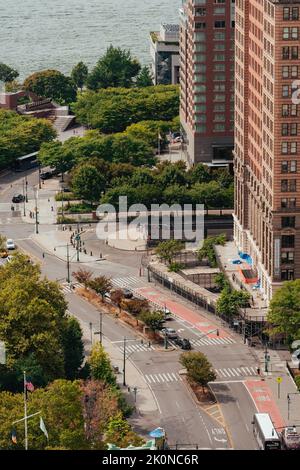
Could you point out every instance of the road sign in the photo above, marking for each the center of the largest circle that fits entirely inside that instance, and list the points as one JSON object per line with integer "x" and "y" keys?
{"x": 279, "y": 380}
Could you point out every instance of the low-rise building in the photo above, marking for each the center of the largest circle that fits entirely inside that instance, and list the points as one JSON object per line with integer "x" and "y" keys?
{"x": 164, "y": 49}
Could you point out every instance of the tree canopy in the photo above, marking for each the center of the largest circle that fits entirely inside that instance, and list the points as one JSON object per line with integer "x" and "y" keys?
{"x": 34, "y": 325}
{"x": 79, "y": 74}
{"x": 114, "y": 109}
{"x": 284, "y": 311}
{"x": 52, "y": 84}
{"x": 117, "y": 68}
{"x": 7, "y": 73}
{"x": 20, "y": 136}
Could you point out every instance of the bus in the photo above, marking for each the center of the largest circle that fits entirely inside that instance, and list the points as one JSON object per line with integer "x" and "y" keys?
{"x": 265, "y": 433}
{"x": 27, "y": 162}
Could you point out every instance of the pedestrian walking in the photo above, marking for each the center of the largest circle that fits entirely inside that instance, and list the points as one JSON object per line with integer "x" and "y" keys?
{"x": 258, "y": 370}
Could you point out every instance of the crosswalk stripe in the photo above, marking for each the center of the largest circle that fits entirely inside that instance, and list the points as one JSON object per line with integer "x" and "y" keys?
{"x": 235, "y": 372}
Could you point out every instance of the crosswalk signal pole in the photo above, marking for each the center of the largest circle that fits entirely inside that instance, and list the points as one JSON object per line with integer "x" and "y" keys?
{"x": 124, "y": 363}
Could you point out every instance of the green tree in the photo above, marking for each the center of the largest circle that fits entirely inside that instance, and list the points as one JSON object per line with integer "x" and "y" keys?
{"x": 120, "y": 433}
{"x": 7, "y": 73}
{"x": 101, "y": 285}
{"x": 113, "y": 110}
{"x": 154, "y": 320}
{"x": 100, "y": 365}
{"x": 229, "y": 302}
{"x": 117, "y": 68}
{"x": 144, "y": 78}
{"x": 52, "y": 84}
{"x": 20, "y": 136}
{"x": 172, "y": 175}
{"x": 199, "y": 369}
{"x": 167, "y": 250}
{"x": 284, "y": 311}
{"x": 55, "y": 155}
{"x": 199, "y": 174}
{"x": 88, "y": 183}
{"x": 221, "y": 281}
{"x": 79, "y": 74}
{"x": 207, "y": 251}
{"x": 73, "y": 347}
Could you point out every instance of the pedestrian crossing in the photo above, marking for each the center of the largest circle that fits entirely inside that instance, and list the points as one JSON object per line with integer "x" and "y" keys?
{"x": 131, "y": 348}
{"x": 166, "y": 377}
{"x": 235, "y": 372}
{"x": 212, "y": 341}
{"x": 67, "y": 288}
{"x": 128, "y": 282}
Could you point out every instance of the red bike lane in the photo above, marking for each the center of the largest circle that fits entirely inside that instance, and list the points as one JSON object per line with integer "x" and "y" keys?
{"x": 264, "y": 400}
{"x": 196, "y": 320}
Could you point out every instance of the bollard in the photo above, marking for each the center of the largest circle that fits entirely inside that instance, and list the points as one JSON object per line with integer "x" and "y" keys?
{"x": 84, "y": 251}
{"x": 100, "y": 255}
{"x": 91, "y": 253}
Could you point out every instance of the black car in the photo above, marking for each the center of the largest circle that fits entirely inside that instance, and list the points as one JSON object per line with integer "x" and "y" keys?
{"x": 46, "y": 175}
{"x": 127, "y": 294}
{"x": 18, "y": 198}
{"x": 183, "y": 343}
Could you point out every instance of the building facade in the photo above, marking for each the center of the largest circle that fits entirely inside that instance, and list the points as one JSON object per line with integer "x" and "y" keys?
{"x": 164, "y": 50}
{"x": 207, "y": 80}
{"x": 267, "y": 138}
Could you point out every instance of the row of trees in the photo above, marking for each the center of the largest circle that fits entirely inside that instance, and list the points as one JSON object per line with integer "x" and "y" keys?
{"x": 20, "y": 136}
{"x": 114, "y": 109}
{"x": 81, "y": 414}
{"x": 116, "y": 68}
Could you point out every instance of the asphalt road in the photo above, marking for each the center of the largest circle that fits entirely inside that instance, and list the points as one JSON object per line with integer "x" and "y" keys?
{"x": 183, "y": 420}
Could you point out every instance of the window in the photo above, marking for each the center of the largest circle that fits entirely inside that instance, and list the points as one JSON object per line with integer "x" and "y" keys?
{"x": 219, "y": 24}
{"x": 284, "y": 129}
{"x": 287, "y": 257}
{"x": 294, "y": 52}
{"x": 284, "y": 167}
{"x": 285, "y": 91}
{"x": 288, "y": 203}
{"x": 287, "y": 275}
{"x": 284, "y": 147}
{"x": 285, "y": 71}
{"x": 285, "y": 53}
{"x": 288, "y": 222}
{"x": 288, "y": 241}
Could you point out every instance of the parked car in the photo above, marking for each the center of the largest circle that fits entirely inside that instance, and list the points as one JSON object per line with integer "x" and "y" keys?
{"x": 46, "y": 175}
{"x": 10, "y": 244}
{"x": 127, "y": 294}
{"x": 170, "y": 333}
{"x": 18, "y": 198}
{"x": 183, "y": 343}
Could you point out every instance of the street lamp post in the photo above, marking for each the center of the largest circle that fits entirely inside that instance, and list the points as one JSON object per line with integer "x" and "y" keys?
{"x": 267, "y": 359}
{"x": 24, "y": 199}
{"x": 36, "y": 212}
{"x": 124, "y": 363}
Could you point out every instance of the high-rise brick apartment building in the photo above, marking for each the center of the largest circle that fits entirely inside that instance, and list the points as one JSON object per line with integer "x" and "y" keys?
{"x": 207, "y": 80}
{"x": 267, "y": 138}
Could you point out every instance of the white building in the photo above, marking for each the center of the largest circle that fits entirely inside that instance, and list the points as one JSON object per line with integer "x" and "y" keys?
{"x": 164, "y": 49}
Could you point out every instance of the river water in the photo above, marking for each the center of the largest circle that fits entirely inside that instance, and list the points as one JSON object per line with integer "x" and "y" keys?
{"x": 39, "y": 34}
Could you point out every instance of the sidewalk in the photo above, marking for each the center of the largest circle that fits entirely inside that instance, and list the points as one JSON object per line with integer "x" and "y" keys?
{"x": 145, "y": 402}
{"x": 58, "y": 240}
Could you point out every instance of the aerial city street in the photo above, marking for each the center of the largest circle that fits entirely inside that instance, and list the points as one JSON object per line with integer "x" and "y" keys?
{"x": 149, "y": 271}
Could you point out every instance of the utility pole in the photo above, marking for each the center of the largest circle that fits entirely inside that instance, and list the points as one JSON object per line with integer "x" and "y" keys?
{"x": 24, "y": 201}
{"x": 124, "y": 363}
{"x": 78, "y": 241}
{"x": 26, "y": 186}
{"x": 25, "y": 412}
{"x": 101, "y": 325}
{"x": 40, "y": 184}
{"x": 36, "y": 213}
{"x": 62, "y": 209}
{"x": 68, "y": 264}
{"x": 267, "y": 359}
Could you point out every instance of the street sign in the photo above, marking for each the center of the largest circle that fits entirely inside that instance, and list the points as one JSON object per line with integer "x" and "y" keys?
{"x": 279, "y": 380}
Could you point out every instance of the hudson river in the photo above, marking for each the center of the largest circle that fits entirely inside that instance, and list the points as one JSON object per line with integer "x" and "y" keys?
{"x": 39, "y": 34}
